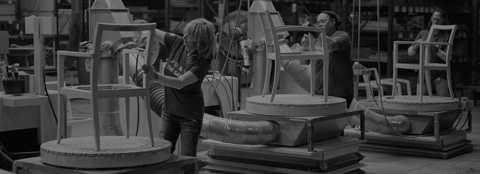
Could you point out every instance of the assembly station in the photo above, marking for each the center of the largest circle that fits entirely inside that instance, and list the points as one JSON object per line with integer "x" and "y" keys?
{"x": 292, "y": 87}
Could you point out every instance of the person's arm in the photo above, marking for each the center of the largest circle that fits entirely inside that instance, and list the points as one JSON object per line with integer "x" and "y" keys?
{"x": 178, "y": 83}
{"x": 338, "y": 42}
{"x": 440, "y": 53}
{"x": 160, "y": 36}
{"x": 333, "y": 45}
{"x": 412, "y": 49}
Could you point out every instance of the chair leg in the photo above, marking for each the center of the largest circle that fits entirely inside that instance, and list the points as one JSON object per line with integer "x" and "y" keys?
{"x": 96, "y": 121}
{"x": 395, "y": 72}
{"x": 268, "y": 70}
{"x": 449, "y": 81}
{"x": 409, "y": 88}
{"x": 127, "y": 115}
{"x": 312, "y": 79}
{"x": 61, "y": 117}
{"x": 429, "y": 82}
{"x": 381, "y": 92}
{"x": 399, "y": 87}
{"x": 419, "y": 90}
{"x": 368, "y": 91}
{"x": 149, "y": 116}
{"x": 276, "y": 78}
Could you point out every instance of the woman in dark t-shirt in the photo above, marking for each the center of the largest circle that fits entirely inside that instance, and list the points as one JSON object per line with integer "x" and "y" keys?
{"x": 340, "y": 69}
{"x": 187, "y": 64}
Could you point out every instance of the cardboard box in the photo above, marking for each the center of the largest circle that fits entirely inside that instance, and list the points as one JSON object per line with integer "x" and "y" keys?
{"x": 48, "y": 25}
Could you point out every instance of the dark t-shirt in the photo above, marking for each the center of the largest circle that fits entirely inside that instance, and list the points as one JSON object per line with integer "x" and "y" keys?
{"x": 437, "y": 37}
{"x": 340, "y": 78}
{"x": 188, "y": 101}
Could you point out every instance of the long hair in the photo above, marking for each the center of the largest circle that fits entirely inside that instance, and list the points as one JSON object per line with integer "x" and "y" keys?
{"x": 203, "y": 32}
{"x": 443, "y": 14}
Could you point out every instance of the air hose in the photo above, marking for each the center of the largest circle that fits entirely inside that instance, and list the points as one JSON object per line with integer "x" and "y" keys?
{"x": 390, "y": 125}
{"x": 217, "y": 128}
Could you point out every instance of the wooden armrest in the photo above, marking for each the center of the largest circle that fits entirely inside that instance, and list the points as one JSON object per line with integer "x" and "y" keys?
{"x": 134, "y": 51}
{"x": 74, "y": 53}
{"x": 291, "y": 53}
{"x": 406, "y": 42}
{"x": 297, "y": 28}
{"x": 435, "y": 43}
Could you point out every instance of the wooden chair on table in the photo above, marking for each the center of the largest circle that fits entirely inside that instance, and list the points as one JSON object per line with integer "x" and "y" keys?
{"x": 95, "y": 91}
{"x": 271, "y": 33}
{"x": 377, "y": 84}
{"x": 425, "y": 66}
{"x": 370, "y": 85}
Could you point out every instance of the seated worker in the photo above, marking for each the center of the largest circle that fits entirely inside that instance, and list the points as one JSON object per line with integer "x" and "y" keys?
{"x": 340, "y": 69}
{"x": 437, "y": 54}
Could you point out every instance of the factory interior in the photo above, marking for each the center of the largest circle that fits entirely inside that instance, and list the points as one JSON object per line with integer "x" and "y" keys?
{"x": 73, "y": 98}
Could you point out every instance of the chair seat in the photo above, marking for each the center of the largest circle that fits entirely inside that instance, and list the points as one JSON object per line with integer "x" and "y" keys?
{"x": 436, "y": 66}
{"x": 408, "y": 66}
{"x": 296, "y": 55}
{"x": 373, "y": 84}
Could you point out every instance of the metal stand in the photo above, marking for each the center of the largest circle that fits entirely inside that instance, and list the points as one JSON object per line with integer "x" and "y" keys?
{"x": 443, "y": 144}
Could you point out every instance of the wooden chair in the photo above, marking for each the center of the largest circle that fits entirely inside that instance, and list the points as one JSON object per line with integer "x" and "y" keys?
{"x": 425, "y": 66}
{"x": 370, "y": 85}
{"x": 95, "y": 91}
{"x": 273, "y": 54}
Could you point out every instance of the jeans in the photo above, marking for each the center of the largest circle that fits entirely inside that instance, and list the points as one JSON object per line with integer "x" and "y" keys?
{"x": 171, "y": 126}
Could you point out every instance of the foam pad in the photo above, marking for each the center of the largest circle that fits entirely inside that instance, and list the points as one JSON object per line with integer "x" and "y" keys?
{"x": 295, "y": 105}
{"x": 115, "y": 152}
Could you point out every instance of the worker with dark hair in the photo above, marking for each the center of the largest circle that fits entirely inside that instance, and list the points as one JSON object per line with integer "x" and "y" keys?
{"x": 340, "y": 68}
{"x": 437, "y": 54}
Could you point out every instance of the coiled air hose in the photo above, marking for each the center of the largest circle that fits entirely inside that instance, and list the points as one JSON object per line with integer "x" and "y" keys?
{"x": 217, "y": 128}
{"x": 157, "y": 94}
{"x": 390, "y": 125}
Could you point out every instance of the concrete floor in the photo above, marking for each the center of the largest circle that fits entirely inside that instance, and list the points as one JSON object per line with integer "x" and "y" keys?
{"x": 382, "y": 163}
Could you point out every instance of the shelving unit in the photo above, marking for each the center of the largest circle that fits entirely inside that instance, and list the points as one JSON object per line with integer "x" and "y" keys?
{"x": 10, "y": 15}
{"x": 177, "y": 12}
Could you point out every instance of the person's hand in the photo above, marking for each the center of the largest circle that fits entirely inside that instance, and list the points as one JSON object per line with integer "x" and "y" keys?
{"x": 416, "y": 46}
{"x": 306, "y": 24}
{"x": 150, "y": 72}
{"x": 433, "y": 48}
{"x": 304, "y": 41}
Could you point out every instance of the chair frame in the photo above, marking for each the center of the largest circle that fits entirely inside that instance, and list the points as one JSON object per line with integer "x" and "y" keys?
{"x": 425, "y": 65}
{"x": 273, "y": 54}
{"x": 369, "y": 85}
{"x": 96, "y": 91}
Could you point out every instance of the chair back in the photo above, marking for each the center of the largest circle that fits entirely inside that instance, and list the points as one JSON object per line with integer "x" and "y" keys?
{"x": 270, "y": 35}
{"x": 101, "y": 29}
{"x": 449, "y": 44}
